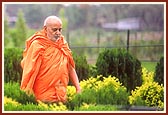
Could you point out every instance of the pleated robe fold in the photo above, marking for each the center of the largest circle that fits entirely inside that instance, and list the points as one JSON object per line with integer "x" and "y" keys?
{"x": 45, "y": 68}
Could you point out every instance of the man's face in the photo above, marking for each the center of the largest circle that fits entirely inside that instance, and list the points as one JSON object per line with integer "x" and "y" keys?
{"x": 54, "y": 31}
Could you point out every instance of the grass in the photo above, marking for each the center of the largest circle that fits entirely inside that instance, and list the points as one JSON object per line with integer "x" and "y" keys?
{"x": 150, "y": 66}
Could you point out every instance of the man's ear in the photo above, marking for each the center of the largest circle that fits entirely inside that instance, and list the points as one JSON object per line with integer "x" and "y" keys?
{"x": 45, "y": 28}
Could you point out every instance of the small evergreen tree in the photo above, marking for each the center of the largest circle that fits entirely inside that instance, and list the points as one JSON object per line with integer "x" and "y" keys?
{"x": 120, "y": 63}
{"x": 63, "y": 18}
{"x": 20, "y": 33}
{"x": 81, "y": 66}
{"x": 159, "y": 71}
{"x": 6, "y": 32}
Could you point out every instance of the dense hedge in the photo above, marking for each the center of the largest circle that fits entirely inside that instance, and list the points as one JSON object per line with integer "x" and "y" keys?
{"x": 82, "y": 67}
{"x": 98, "y": 91}
{"x": 159, "y": 71}
{"x": 94, "y": 92}
{"x": 120, "y": 63}
{"x": 149, "y": 94}
{"x": 97, "y": 94}
{"x": 12, "y": 90}
{"x": 12, "y": 67}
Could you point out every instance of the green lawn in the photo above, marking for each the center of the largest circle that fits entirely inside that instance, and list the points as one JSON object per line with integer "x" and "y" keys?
{"x": 150, "y": 66}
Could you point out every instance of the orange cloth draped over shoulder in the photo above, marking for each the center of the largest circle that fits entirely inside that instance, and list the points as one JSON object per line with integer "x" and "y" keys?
{"x": 45, "y": 67}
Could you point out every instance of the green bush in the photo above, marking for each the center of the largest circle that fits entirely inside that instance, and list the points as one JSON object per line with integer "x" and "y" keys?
{"x": 159, "y": 71}
{"x": 12, "y": 105}
{"x": 149, "y": 94}
{"x": 12, "y": 90}
{"x": 24, "y": 107}
{"x": 12, "y": 67}
{"x": 82, "y": 67}
{"x": 120, "y": 63}
{"x": 100, "y": 90}
{"x": 95, "y": 107}
{"x": 94, "y": 92}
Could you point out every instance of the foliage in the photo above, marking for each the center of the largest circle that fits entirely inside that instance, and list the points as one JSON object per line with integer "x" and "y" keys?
{"x": 19, "y": 35}
{"x": 12, "y": 105}
{"x": 100, "y": 90}
{"x": 95, "y": 107}
{"x": 89, "y": 15}
{"x": 82, "y": 67}
{"x": 8, "y": 100}
{"x": 98, "y": 94}
{"x": 159, "y": 71}
{"x": 53, "y": 106}
{"x": 64, "y": 20}
{"x": 12, "y": 68}
{"x": 147, "y": 76}
{"x": 12, "y": 90}
{"x": 6, "y": 31}
{"x": 149, "y": 94}
{"x": 92, "y": 88}
{"x": 93, "y": 70}
{"x": 120, "y": 63}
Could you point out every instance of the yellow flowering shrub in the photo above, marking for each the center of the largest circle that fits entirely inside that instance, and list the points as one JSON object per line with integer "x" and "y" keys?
{"x": 99, "y": 90}
{"x": 53, "y": 106}
{"x": 149, "y": 94}
{"x": 147, "y": 76}
{"x": 10, "y": 101}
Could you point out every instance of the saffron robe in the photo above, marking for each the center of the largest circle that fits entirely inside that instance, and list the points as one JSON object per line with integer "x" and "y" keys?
{"x": 45, "y": 68}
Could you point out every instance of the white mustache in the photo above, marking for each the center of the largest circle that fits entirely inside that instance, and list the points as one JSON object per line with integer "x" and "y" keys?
{"x": 57, "y": 36}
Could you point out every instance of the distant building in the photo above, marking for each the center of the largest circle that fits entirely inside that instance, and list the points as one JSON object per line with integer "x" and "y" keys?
{"x": 125, "y": 24}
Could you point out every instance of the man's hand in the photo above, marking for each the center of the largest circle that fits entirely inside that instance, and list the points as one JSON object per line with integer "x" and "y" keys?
{"x": 78, "y": 90}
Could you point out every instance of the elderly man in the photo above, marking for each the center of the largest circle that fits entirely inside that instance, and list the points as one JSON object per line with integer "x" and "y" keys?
{"x": 48, "y": 64}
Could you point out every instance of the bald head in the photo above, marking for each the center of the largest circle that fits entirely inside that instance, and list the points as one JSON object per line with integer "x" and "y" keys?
{"x": 50, "y": 20}
{"x": 53, "y": 27}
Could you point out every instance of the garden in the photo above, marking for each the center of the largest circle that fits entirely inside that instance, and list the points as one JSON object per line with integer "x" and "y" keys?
{"x": 119, "y": 85}
{"x": 112, "y": 79}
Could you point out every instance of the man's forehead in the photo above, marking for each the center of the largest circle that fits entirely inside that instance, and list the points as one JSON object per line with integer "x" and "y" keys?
{"x": 52, "y": 20}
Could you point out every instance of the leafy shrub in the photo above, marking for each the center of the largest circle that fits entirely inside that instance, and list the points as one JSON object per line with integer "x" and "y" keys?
{"x": 98, "y": 91}
{"x": 12, "y": 68}
{"x": 93, "y": 70}
{"x": 82, "y": 67}
{"x": 8, "y": 100}
{"x": 95, "y": 107}
{"x": 120, "y": 63}
{"x": 12, "y": 105}
{"x": 147, "y": 76}
{"x": 111, "y": 91}
{"x": 12, "y": 90}
{"x": 159, "y": 71}
{"x": 24, "y": 107}
{"x": 149, "y": 94}
{"x": 113, "y": 94}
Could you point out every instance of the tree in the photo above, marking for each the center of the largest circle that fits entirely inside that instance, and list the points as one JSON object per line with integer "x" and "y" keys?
{"x": 19, "y": 34}
{"x": 64, "y": 19}
{"x": 121, "y": 64}
{"x": 159, "y": 71}
{"x": 6, "y": 32}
